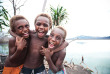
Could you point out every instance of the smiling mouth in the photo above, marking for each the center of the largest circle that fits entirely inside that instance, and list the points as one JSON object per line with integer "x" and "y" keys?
{"x": 26, "y": 35}
{"x": 51, "y": 45}
{"x": 40, "y": 33}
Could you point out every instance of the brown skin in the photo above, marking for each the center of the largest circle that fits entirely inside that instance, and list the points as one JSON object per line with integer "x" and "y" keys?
{"x": 34, "y": 59}
{"x": 54, "y": 41}
{"x": 18, "y": 46}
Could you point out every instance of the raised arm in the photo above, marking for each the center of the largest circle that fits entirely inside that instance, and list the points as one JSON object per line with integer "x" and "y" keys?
{"x": 63, "y": 45}
{"x": 15, "y": 48}
{"x": 12, "y": 33}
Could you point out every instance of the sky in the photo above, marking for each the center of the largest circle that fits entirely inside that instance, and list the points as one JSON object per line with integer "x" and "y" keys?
{"x": 85, "y": 17}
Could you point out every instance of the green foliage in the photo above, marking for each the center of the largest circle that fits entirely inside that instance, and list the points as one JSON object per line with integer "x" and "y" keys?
{"x": 4, "y": 20}
{"x": 58, "y": 15}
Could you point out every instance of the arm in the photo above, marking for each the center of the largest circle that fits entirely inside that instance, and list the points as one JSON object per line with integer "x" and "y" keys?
{"x": 12, "y": 33}
{"x": 63, "y": 45}
{"x": 15, "y": 48}
{"x": 54, "y": 67}
{"x": 57, "y": 66}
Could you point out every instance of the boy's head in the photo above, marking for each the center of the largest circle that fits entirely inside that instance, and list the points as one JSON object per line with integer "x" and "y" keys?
{"x": 20, "y": 26}
{"x": 43, "y": 23}
{"x": 57, "y": 36}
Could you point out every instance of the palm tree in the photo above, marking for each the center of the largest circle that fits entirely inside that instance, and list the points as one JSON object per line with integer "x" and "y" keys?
{"x": 4, "y": 20}
{"x": 58, "y": 15}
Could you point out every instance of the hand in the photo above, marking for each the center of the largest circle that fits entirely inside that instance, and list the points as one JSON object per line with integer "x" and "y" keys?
{"x": 20, "y": 43}
{"x": 43, "y": 50}
{"x": 46, "y": 52}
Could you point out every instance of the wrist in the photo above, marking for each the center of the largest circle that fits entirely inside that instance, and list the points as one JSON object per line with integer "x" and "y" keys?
{"x": 19, "y": 48}
{"x": 47, "y": 58}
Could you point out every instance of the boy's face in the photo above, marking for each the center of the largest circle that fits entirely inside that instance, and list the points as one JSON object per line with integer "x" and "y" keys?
{"x": 42, "y": 26}
{"x": 22, "y": 28}
{"x": 56, "y": 38}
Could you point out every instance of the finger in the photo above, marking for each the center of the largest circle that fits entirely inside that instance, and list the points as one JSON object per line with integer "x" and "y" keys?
{"x": 43, "y": 47}
{"x": 21, "y": 39}
{"x": 41, "y": 52}
{"x": 17, "y": 39}
{"x": 24, "y": 42}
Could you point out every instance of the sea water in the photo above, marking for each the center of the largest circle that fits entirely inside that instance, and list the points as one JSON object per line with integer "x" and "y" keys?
{"x": 4, "y": 49}
{"x": 96, "y": 54}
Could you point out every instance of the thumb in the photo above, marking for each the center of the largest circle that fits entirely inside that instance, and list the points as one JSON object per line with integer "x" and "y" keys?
{"x": 17, "y": 39}
{"x": 43, "y": 47}
{"x": 21, "y": 38}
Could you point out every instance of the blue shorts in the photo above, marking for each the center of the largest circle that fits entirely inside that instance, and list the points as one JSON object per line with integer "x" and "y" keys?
{"x": 59, "y": 72}
{"x": 38, "y": 70}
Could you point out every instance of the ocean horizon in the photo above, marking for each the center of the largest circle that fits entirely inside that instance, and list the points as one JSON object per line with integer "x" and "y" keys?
{"x": 96, "y": 54}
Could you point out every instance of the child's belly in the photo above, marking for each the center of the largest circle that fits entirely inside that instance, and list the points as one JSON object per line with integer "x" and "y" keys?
{"x": 34, "y": 59}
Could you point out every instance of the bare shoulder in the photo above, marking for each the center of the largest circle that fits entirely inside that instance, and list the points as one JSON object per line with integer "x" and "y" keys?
{"x": 12, "y": 41}
{"x": 62, "y": 52}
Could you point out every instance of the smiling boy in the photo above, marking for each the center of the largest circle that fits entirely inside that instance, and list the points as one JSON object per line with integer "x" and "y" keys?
{"x": 56, "y": 38}
{"x": 17, "y": 46}
{"x": 34, "y": 59}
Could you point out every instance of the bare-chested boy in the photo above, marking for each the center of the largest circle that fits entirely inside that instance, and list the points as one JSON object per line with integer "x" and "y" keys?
{"x": 17, "y": 46}
{"x": 34, "y": 60}
{"x": 56, "y": 38}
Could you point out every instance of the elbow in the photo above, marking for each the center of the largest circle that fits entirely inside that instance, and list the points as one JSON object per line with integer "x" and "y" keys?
{"x": 55, "y": 70}
{"x": 66, "y": 43}
{"x": 11, "y": 60}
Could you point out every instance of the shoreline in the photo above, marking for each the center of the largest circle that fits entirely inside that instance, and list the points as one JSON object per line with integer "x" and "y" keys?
{"x": 72, "y": 68}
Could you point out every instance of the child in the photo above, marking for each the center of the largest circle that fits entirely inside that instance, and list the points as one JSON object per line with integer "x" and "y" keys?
{"x": 17, "y": 46}
{"x": 56, "y": 38}
{"x": 34, "y": 60}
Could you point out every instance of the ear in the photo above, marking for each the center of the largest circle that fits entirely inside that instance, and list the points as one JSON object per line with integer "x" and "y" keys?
{"x": 63, "y": 40}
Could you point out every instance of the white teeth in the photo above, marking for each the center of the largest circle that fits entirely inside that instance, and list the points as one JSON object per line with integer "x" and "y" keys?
{"x": 25, "y": 32}
{"x": 51, "y": 46}
{"x": 51, "y": 42}
{"x": 41, "y": 31}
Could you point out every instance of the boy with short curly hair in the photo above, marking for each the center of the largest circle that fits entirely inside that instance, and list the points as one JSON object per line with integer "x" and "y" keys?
{"x": 17, "y": 46}
{"x": 56, "y": 38}
{"x": 34, "y": 60}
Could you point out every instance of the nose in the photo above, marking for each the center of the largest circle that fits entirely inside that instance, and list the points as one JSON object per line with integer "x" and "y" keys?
{"x": 25, "y": 29}
{"x": 41, "y": 26}
{"x": 53, "y": 38}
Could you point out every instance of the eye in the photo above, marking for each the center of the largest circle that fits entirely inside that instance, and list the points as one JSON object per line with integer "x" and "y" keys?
{"x": 51, "y": 35}
{"x": 20, "y": 27}
{"x": 38, "y": 24}
{"x": 45, "y": 25}
{"x": 58, "y": 38}
{"x": 27, "y": 26}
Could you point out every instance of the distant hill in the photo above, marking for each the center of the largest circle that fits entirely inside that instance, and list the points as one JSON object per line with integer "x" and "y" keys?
{"x": 88, "y": 37}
